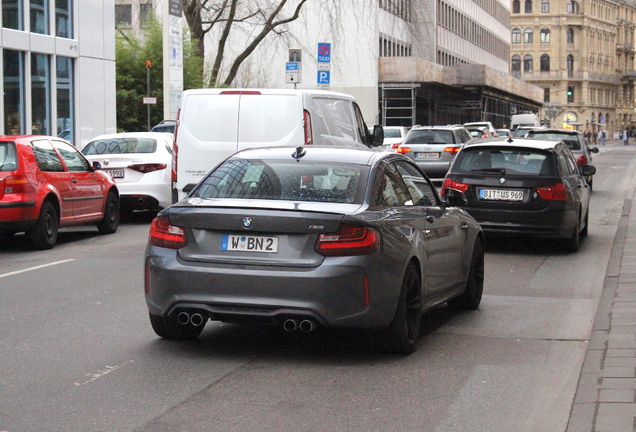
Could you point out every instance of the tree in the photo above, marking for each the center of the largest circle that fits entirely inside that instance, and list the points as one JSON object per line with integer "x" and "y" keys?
{"x": 131, "y": 56}
{"x": 261, "y": 18}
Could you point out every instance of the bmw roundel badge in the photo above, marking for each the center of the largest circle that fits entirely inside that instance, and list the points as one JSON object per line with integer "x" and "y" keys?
{"x": 502, "y": 180}
{"x": 247, "y": 222}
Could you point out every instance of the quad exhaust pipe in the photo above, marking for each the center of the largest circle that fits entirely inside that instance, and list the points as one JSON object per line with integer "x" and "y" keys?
{"x": 196, "y": 319}
{"x": 305, "y": 326}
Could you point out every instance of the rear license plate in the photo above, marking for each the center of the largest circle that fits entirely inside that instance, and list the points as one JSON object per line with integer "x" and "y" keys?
{"x": 116, "y": 173}
{"x": 249, "y": 243}
{"x": 501, "y": 194}
{"x": 427, "y": 155}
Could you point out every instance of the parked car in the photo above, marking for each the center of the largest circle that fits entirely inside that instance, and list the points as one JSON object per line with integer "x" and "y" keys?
{"x": 140, "y": 163}
{"x": 575, "y": 142}
{"x": 215, "y": 123}
{"x": 488, "y": 125}
{"x": 46, "y": 184}
{"x": 478, "y": 132}
{"x": 393, "y": 137}
{"x": 434, "y": 147}
{"x": 504, "y": 132}
{"x": 164, "y": 126}
{"x": 523, "y": 185}
{"x": 312, "y": 236}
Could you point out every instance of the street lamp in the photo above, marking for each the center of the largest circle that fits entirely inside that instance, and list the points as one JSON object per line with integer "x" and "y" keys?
{"x": 552, "y": 110}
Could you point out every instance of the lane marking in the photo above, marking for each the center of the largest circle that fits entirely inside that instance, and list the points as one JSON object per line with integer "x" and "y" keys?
{"x": 35, "y": 268}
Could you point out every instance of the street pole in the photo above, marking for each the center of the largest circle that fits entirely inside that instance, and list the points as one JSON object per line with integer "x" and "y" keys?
{"x": 148, "y": 65}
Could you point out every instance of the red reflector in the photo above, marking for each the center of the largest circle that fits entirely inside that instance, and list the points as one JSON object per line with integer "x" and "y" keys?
{"x": 450, "y": 184}
{"x": 452, "y": 150}
{"x": 147, "y": 168}
{"x": 164, "y": 235}
{"x": 365, "y": 283}
{"x": 582, "y": 160}
{"x": 348, "y": 241}
{"x": 553, "y": 193}
{"x": 240, "y": 92}
{"x": 17, "y": 184}
{"x": 403, "y": 150}
{"x": 309, "y": 138}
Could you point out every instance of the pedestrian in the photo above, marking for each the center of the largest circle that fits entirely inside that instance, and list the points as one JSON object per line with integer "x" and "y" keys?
{"x": 603, "y": 137}
{"x": 588, "y": 135}
{"x": 594, "y": 137}
{"x": 625, "y": 137}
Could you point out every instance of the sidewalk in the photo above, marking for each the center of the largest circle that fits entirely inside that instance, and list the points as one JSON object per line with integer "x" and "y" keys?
{"x": 605, "y": 400}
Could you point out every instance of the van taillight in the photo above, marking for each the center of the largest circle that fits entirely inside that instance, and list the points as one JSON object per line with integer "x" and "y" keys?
{"x": 553, "y": 193}
{"x": 450, "y": 184}
{"x": 581, "y": 161}
{"x": 309, "y": 139}
{"x": 349, "y": 240}
{"x": 17, "y": 184}
{"x": 175, "y": 148}
{"x": 164, "y": 235}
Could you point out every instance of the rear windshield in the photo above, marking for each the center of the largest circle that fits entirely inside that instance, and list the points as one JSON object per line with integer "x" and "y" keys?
{"x": 392, "y": 133}
{"x": 429, "y": 137}
{"x": 285, "y": 180}
{"x": 8, "y": 156}
{"x": 504, "y": 161}
{"x": 570, "y": 140}
{"x": 120, "y": 146}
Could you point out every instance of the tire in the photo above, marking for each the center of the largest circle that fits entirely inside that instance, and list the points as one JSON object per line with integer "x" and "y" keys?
{"x": 587, "y": 222}
{"x": 44, "y": 235}
{"x": 402, "y": 334}
{"x": 572, "y": 243}
{"x": 171, "y": 330}
{"x": 110, "y": 222}
{"x": 471, "y": 297}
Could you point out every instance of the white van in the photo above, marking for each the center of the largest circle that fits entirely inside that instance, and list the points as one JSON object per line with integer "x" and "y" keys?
{"x": 524, "y": 120}
{"x": 215, "y": 123}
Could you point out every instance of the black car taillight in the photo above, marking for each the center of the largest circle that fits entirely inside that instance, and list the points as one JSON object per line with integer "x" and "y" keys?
{"x": 450, "y": 184}
{"x": 164, "y": 235}
{"x": 552, "y": 193}
{"x": 349, "y": 240}
{"x": 147, "y": 168}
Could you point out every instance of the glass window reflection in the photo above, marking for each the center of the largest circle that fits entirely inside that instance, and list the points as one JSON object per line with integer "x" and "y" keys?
{"x": 63, "y": 18}
{"x": 65, "y": 95}
{"x": 39, "y": 16}
{"x": 40, "y": 93}
{"x": 13, "y": 86}
{"x": 12, "y": 16}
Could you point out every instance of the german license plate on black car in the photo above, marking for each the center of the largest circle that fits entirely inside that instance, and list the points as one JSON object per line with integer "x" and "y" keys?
{"x": 246, "y": 243}
{"x": 501, "y": 194}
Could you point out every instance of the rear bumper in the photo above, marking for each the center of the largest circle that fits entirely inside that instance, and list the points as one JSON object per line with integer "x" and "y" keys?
{"x": 145, "y": 196}
{"x": 18, "y": 216}
{"x": 548, "y": 223}
{"x": 434, "y": 169}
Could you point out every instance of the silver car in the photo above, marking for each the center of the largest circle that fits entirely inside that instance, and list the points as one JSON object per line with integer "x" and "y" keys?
{"x": 309, "y": 236}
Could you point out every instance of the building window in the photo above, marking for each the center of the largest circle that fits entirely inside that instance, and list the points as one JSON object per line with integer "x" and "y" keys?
{"x": 516, "y": 6}
{"x": 527, "y": 63}
{"x": 41, "y": 93}
{"x": 516, "y": 66}
{"x": 528, "y": 6}
{"x": 40, "y": 16}
{"x": 14, "y": 86}
{"x": 545, "y": 35}
{"x": 527, "y": 36}
{"x": 545, "y": 6}
{"x": 63, "y": 18}
{"x": 12, "y": 16}
{"x": 400, "y": 8}
{"x": 569, "y": 64}
{"x": 546, "y": 94}
{"x": 65, "y": 96}
{"x": 545, "y": 63}
{"x": 570, "y": 35}
{"x": 123, "y": 15}
{"x": 573, "y": 7}
{"x": 145, "y": 13}
{"x": 516, "y": 36}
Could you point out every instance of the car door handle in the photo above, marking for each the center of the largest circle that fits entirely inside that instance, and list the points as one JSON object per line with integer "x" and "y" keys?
{"x": 464, "y": 225}
{"x": 430, "y": 218}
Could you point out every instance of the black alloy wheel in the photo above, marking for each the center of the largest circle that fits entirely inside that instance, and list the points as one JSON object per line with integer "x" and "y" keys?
{"x": 110, "y": 222}
{"x": 44, "y": 235}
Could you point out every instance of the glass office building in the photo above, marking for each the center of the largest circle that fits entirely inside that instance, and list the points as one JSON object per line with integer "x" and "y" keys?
{"x": 58, "y": 68}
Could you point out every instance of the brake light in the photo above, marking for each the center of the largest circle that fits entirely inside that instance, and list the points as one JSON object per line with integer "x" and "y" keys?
{"x": 240, "y": 92}
{"x": 175, "y": 148}
{"x": 450, "y": 184}
{"x": 452, "y": 150}
{"x": 349, "y": 240}
{"x": 309, "y": 138}
{"x": 395, "y": 145}
{"x": 404, "y": 150}
{"x": 552, "y": 193}
{"x": 147, "y": 168}
{"x": 164, "y": 235}
{"x": 582, "y": 160}
{"x": 17, "y": 184}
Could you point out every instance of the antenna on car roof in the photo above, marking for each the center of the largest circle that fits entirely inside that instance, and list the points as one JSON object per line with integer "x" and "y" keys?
{"x": 300, "y": 152}
{"x": 509, "y": 140}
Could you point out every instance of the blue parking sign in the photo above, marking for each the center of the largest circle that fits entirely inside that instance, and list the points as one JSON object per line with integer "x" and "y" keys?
{"x": 324, "y": 77}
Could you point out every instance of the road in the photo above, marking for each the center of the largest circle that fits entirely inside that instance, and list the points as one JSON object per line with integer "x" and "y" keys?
{"x": 77, "y": 351}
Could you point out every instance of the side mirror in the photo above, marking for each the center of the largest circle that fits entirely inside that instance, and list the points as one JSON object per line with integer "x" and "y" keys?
{"x": 97, "y": 165}
{"x": 378, "y": 136}
{"x": 594, "y": 149}
{"x": 587, "y": 170}
{"x": 456, "y": 198}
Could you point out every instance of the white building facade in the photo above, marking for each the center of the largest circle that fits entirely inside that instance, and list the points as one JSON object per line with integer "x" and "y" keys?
{"x": 58, "y": 68}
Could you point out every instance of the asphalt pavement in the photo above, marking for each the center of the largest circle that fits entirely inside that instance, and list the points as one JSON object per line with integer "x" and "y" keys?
{"x": 605, "y": 399}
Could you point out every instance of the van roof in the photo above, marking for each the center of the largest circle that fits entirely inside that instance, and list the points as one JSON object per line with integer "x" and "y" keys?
{"x": 269, "y": 91}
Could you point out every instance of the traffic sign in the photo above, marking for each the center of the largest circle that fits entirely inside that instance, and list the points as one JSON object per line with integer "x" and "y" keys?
{"x": 292, "y": 66}
{"x": 150, "y": 100}
{"x": 324, "y": 77}
{"x": 292, "y": 77}
{"x": 324, "y": 52}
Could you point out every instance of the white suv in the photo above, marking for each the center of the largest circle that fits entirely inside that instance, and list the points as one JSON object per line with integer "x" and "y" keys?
{"x": 491, "y": 128}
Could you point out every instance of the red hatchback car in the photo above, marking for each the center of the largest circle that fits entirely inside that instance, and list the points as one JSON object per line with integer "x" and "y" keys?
{"x": 46, "y": 184}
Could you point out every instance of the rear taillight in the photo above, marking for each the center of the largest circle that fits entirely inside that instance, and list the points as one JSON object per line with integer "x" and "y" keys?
{"x": 582, "y": 160}
{"x": 349, "y": 240}
{"x": 395, "y": 145}
{"x": 175, "y": 148}
{"x": 309, "y": 139}
{"x": 147, "y": 168}
{"x": 17, "y": 184}
{"x": 450, "y": 184}
{"x": 404, "y": 150}
{"x": 164, "y": 235}
{"x": 452, "y": 150}
{"x": 552, "y": 193}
